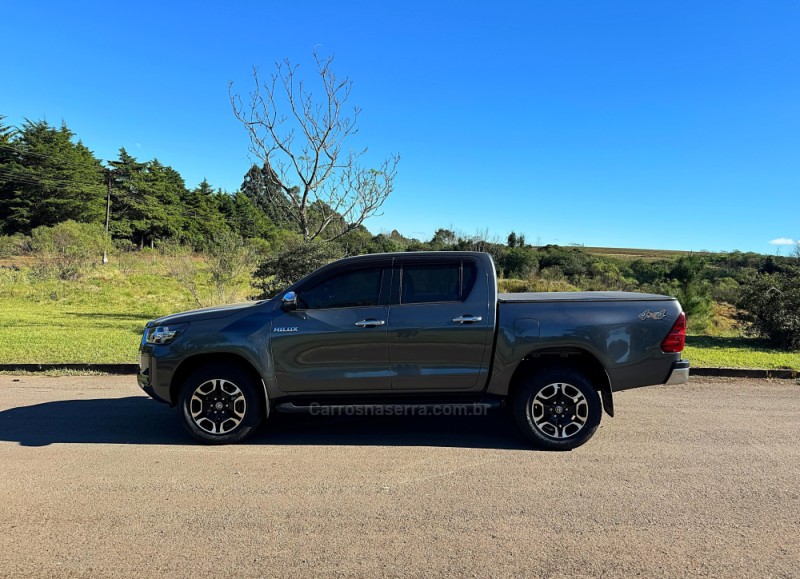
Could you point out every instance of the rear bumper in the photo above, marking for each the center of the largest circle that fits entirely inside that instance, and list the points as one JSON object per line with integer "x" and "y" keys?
{"x": 679, "y": 373}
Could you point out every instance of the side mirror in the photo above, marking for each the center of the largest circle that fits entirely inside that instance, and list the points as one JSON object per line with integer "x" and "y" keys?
{"x": 289, "y": 301}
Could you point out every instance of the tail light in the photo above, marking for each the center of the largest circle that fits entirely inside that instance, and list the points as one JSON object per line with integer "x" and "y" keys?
{"x": 676, "y": 338}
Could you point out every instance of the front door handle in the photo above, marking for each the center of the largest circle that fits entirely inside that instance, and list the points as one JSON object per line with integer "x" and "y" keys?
{"x": 370, "y": 323}
{"x": 467, "y": 319}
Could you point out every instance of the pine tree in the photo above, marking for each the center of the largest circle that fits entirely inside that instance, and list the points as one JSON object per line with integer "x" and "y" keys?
{"x": 9, "y": 157}
{"x": 51, "y": 179}
{"x": 202, "y": 215}
{"x": 145, "y": 200}
{"x": 246, "y": 218}
{"x": 162, "y": 217}
{"x": 127, "y": 195}
{"x": 261, "y": 186}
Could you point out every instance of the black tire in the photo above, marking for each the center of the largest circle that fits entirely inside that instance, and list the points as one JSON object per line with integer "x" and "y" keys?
{"x": 220, "y": 404}
{"x": 557, "y": 408}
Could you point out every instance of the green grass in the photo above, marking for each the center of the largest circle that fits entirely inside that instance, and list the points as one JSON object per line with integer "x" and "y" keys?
{"x": 733, "y": 352}
{"x": 98, "y": 319}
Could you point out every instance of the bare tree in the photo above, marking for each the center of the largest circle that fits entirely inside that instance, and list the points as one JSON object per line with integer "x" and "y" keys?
{"x": 310, "y": 178}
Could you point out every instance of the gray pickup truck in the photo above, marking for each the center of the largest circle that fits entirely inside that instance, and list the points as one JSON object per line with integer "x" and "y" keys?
{"x": 419, "y": 331}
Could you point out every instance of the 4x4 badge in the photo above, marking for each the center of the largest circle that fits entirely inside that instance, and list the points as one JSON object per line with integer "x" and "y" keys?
{"x": 648, "y": 315}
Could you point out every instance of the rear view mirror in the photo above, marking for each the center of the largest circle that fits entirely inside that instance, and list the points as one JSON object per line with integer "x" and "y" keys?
{"x": 289, "y": 301}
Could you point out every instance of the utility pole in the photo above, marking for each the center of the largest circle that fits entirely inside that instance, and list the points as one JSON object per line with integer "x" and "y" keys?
{"x": 108, "y": 214}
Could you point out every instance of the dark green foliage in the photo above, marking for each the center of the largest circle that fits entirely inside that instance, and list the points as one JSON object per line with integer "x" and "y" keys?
{"x": 9, "y": 158}
{"x": 736, "y": 264}
{"x": 689, "y": 284}
{"x": 163, "y": 189}
{"x": 356, "y": 241}
{"x": 515, "y": 241}
{"x": 286, "y": 267}
{"x": 387, "y": 244}
{"x": 574, "y": 262}
{"x": 518, "y": 262}
{"x": 611, "y": 274}
{"x": 773, "y": 264}
{"x": 246, "y": 218}
{"x": 261, "y": 186}
{"x": 46, "y": 178}
{"x": 769, "y": 307}
{"x": 201, "y": 215}
{"x": 650, "y": 272}
{"x": 726, "y": 290}
{"x": 443, "y": 239}
{"x": 127, "y": 184}
{"x": 145, "y": 200}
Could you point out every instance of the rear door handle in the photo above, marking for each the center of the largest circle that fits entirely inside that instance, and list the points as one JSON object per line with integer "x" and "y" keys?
{"x": 467, "y": 319}
{"x": 370, "y": 323}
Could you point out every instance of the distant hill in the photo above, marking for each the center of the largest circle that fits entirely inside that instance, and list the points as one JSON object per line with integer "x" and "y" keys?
{"x": 631, "y": 253}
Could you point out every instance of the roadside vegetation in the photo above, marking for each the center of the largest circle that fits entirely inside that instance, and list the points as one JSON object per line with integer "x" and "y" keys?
{"x": 98, "y": 313}
{"x": 91, "y": 250}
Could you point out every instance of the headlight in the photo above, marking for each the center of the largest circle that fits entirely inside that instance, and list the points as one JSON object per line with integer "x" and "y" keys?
{"x": 163, "y": 334}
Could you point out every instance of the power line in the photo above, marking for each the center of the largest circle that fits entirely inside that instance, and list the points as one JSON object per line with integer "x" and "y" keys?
{"x": 52, "y": 181}
{"x": 25, "y": 152}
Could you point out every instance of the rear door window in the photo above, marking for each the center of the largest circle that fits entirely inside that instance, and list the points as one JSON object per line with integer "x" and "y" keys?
{"x": 436, "y": 282}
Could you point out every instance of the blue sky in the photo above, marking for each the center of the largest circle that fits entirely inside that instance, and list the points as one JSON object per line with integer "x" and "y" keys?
{"x": 621, "y": 124}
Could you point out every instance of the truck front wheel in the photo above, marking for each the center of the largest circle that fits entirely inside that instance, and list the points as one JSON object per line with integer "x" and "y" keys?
{"x": 557, "y": 408}
{"x": 220, "y": 405}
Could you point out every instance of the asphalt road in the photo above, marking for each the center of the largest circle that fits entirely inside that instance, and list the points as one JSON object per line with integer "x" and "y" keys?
{"x": 700, "y": 479}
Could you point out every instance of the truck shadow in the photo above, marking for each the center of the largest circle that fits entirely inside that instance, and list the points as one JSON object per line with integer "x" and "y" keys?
{"x": 139, "y": 420}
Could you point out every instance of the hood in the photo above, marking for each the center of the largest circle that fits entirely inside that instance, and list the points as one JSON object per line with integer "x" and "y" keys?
{"x": 203, "y": 314}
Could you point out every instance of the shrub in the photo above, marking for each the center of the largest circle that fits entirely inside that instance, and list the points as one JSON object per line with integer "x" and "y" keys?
{"x": 67, "y": 249}
{"x": 572, "y": 261}
{"x": 220, "y": 273}
{"x": 769, "y": 307}
{"x": 726, "y": 290}
{"x": 12, "y": 245}
{"x": 518, "y": 262}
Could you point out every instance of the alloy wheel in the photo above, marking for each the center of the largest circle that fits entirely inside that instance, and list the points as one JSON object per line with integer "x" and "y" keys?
{"x": 559, "y": 410}
{"x": 217, "y": 406}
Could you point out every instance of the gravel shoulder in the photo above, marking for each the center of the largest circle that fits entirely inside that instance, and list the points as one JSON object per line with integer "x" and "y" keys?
{"x": 699, "y": 479}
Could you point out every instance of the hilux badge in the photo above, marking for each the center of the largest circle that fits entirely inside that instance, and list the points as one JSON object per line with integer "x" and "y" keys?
{"x": 285, "y": 329}
{"x": 648, "y": 315}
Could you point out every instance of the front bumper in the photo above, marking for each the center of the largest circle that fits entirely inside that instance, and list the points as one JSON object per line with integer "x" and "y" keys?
{"x": 679, "y": 373}
{"x": 146, "y": 377}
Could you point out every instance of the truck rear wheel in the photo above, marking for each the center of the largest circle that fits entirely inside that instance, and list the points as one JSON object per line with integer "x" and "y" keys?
{"x": 220, "y": 405}
{"x": 557, "y": 409}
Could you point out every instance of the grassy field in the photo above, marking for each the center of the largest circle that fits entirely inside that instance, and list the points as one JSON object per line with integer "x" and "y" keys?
{"x": 628, "y": 253}
{"x": 100, "y": 318}
{"x": 737, "y": 352}
{"x": 97, "y": 319}
{"x": 725, "y": 347}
